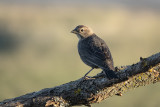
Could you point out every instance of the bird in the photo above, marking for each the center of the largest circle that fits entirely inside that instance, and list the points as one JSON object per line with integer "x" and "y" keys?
{"x": 94, "y": 52}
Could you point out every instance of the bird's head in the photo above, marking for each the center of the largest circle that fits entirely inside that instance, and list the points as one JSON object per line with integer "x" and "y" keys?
{"x": 82, "y": 31}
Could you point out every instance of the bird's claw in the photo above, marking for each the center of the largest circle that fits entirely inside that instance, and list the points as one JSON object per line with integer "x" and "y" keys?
{"x": 85, "y": 78}
{"x": 88, "y": 77}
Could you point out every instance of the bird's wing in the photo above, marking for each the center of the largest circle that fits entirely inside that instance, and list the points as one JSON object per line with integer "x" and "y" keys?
{"x": 94, "y": 51}
{"x": 99, "y": 49}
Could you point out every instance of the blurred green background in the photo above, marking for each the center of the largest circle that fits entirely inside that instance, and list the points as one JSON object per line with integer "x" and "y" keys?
{"x": 38, "y": 51}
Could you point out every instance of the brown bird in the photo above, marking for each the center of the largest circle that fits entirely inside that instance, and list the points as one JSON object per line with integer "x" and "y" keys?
{"x": 93, "y": 51}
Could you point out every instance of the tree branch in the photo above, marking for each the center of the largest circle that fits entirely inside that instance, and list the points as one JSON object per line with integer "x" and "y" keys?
{"x": 93, "y": 90}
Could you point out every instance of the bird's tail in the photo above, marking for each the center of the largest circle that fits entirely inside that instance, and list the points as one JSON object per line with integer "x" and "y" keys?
{"x": 110, "y": 74}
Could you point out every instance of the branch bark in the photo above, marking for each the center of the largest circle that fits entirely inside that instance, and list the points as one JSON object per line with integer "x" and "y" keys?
{"x": 93, "y": 90}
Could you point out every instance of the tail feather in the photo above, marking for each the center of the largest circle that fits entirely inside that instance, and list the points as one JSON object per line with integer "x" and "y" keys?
{"x": 110, "y": 74}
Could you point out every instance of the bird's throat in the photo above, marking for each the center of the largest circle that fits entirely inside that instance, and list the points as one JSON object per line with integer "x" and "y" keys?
{"x": 79, "y": 36}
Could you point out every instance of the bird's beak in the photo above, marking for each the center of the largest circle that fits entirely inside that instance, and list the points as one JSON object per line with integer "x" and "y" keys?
{"x": 74, "y": 31}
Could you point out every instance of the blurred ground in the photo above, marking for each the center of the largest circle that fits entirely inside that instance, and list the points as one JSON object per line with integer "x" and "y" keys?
{"x": 38, "y": 51}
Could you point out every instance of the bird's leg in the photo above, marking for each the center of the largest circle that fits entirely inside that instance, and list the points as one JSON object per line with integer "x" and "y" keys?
{"x": 87, "y": 73}
{"x": 106, "y": 73}
{"x": 84, "y": 78}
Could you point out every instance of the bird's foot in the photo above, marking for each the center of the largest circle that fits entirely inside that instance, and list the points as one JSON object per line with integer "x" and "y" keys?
{"x": 85, "y": 78}
{"x": 88, "y": 77}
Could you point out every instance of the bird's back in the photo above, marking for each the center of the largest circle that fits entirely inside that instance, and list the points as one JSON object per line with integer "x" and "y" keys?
{"x": 95, "y": 53}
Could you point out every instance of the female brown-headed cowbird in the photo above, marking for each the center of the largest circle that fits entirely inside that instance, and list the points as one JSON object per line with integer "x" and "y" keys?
{"x": 93, "y": 51}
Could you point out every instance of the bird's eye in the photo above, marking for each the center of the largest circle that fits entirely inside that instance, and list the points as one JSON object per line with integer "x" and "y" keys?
{"x": 81, "y": 30}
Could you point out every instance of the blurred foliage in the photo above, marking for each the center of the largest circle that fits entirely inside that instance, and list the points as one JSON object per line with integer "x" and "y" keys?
{"x": 38, "y": 51}
{"x": 8, "y": 42}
